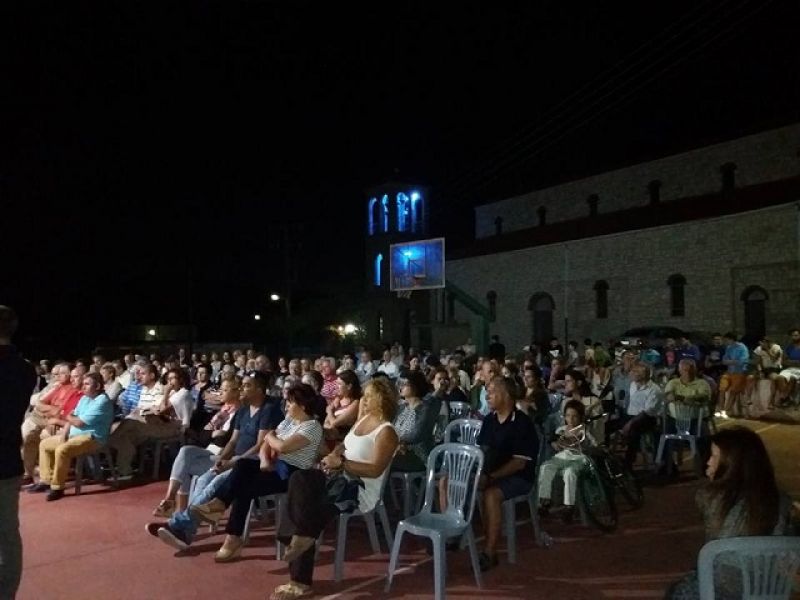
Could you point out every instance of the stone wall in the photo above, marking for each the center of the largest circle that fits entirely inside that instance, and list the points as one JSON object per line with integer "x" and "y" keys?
{"x": 759, "y": 158}
{"x": 719, "y": 259}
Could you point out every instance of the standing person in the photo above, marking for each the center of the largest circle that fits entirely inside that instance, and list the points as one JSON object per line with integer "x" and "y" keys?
{"x": 733, "y": 383}
{"x": 17, "y": 378}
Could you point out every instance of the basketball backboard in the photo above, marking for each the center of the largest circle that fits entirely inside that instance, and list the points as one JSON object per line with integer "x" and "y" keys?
{"x": 417, "y": 265}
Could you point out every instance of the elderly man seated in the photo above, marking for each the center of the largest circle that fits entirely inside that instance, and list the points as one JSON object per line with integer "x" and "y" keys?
{"x": 150, "y": 420}
{"x": 84, "y": 431}
{"x": 510, "y": 446}
{"x": 41, "y": 422}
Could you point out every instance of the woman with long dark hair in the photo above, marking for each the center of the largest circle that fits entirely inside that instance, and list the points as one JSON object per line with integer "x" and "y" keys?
{"x": 741, "y": 499}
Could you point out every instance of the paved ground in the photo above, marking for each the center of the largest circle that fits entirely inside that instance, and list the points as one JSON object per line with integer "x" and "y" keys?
{"x": 94, "y": 546}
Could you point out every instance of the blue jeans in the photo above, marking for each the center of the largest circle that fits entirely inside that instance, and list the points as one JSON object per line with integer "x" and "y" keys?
{"x": 191, "y": 461}
{"x": 206, "y": 488}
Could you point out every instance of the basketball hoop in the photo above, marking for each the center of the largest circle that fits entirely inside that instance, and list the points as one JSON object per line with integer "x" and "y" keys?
{"x": 404, "y": 294}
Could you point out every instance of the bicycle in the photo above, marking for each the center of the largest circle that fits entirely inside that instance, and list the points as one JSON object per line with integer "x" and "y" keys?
{"x": 603, "y": 474}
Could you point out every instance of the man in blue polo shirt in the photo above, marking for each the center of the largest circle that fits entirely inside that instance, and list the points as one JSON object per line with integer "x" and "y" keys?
{"x": 259, "y": 414}
{"x": 85, "y": 430}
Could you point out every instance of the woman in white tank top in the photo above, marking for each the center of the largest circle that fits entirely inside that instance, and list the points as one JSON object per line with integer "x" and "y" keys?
{"x": 366, "y": 453}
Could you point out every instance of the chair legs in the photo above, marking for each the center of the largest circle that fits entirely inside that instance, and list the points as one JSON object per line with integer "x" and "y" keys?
{"x": 510, "y": 526}
{"x": 369, "y": 518}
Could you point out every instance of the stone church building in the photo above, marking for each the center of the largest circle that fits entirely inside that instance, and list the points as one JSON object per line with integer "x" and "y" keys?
{"x": 706, "y": 240}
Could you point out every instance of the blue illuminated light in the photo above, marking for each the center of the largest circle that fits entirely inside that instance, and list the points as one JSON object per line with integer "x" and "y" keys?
{"x": 371, "y": 215}
{"x": 402, "y": 212}
{"x": 407, "y": 254}
{"x": 378, "y": 262}
{"x": 415, "y": 196}
{"x": 385, "y": 208}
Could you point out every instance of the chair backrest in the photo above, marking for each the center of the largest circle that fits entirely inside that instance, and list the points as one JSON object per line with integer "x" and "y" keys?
{"x": 463, "y": 431}
{"x": 688, "y": 417}
{"x": 768, "y": 565}
{"x": 459, "y": 410}
{"x": 463, "y": 465}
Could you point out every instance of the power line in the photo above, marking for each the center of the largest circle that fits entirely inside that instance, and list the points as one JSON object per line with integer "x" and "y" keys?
{"x": 499, "y": 165}
{"x": 760, "y": 6}
{"x": 606, "y": 77}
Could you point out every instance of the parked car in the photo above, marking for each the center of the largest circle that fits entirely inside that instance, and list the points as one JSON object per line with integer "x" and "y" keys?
{"x": 653, "y": 337}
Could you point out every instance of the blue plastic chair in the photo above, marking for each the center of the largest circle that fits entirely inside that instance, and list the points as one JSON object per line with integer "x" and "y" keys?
{"x": 464, "y": 464}
{"x": 768, "y": 565}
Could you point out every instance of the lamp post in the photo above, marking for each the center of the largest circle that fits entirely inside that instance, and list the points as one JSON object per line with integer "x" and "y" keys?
{"x": 287, "y": 304}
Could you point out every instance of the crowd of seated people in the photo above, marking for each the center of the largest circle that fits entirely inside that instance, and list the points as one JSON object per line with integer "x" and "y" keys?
{"x": 246, "y": 431}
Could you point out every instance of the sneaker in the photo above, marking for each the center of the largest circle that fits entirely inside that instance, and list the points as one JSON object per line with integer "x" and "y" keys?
{"x": 38, "y": 488}
{"x": 172, "y": 537}
{"x": 152, "y": 528}
{"x": 54, "y": 495}
{"x": 26, "y": 481}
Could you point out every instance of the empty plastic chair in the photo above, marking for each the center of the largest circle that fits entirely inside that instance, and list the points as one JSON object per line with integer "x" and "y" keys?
{"x": 767, "y": 565}
{"x": 462, "y": 431}
{"x": 688, "y": 428}
{"x": 464, "y": 464}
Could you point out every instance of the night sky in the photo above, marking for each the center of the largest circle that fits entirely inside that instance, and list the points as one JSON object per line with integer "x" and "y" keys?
{"x": 153, "y": 151}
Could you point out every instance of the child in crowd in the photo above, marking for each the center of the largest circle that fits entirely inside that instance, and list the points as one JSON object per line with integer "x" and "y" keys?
{"x": 571, "y": 440}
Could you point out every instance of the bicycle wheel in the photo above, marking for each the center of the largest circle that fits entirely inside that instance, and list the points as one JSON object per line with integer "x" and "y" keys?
{"x": 598, "y": 501}
{"x": 626, "y": 481}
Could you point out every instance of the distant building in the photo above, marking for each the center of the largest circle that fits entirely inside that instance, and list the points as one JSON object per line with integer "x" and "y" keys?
{"x": 704, "y": 240}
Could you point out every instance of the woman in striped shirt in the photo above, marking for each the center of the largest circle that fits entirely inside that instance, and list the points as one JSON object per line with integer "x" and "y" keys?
{"x": 292, "y": 446}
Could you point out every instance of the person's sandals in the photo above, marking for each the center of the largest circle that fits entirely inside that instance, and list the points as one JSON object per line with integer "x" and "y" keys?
{"x": 297, "y": 546}
{"x": 210, "y": 512}
{"x": 229, "y": 551}
{"x": 165, "y": 509}
{"x": 290, "y": 591}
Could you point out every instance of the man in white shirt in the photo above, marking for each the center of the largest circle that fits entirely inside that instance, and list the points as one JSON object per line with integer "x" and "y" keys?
{"x": 388, "y": 366}
{"x": 148, "y": 421}
{"x": 365, "y": 367}
{"x": 645, "y": 402}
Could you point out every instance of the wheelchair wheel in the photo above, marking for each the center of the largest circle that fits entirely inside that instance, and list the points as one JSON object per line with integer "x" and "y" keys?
{"x": 626, "y": 481}
{"x": 598, "y": 501}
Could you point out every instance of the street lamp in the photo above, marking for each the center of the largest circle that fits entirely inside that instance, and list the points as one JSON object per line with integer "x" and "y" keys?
{"x": 257, "y": 317}
{"x": 274, "y": 297}
{"x": 350, "y": 329}
{"x": 151, "y": 332}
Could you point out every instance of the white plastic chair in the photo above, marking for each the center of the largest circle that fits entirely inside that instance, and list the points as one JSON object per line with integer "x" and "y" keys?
{"x": 462, "y": 431}
{"x": 768, "y": 565}
{"x": 688, "y": 427}
{"x": 369, "y": 518}
{"x": 459, "y": 410}
{"x": 96, "y": 466}
{"x": 464, "y": 465}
